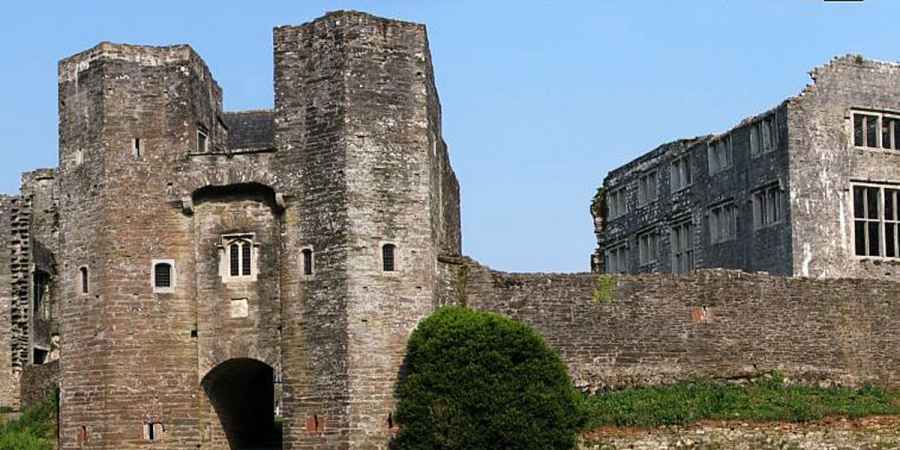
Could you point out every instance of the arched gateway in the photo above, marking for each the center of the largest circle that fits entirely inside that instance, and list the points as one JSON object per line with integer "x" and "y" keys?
{"x": 242, "y": 394}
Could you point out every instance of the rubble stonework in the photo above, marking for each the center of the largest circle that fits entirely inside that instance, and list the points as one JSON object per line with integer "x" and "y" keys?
{"x": 811, "y": 163}
{"x": 197, "y": 272}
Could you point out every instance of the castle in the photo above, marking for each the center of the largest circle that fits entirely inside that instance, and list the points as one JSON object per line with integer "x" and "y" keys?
{"x": 186, "y": 272}
{"x": 809, "y": 188}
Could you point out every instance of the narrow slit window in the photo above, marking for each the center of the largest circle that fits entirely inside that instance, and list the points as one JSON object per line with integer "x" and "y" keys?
{"x": 307, "y": 262}
{"x": 136, "y": 147}
{"x": 388, "y": 257}
{"x": 83, "y": 272}
{"x": 162, "y": 276}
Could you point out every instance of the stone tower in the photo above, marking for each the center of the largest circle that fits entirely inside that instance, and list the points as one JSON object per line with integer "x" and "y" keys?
{"x": 209, "y": 260}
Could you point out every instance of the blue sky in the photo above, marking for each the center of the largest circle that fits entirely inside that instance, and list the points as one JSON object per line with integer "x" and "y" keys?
{"x": 540, "y": 98}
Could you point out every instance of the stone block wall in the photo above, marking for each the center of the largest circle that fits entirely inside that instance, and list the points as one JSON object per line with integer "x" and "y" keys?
{"x": 9, "y": 381}
{"x": 39, "y": 382}
{"x": 625, "y": 330}
{"x": 824, "y": 162}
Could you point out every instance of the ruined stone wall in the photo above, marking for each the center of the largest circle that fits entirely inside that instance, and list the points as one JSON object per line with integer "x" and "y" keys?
{"x": 39, "y": 187}
{"x": 8, "y": 381}
{"x": 617, "y": 331}
{"x": 39, "y": 382}
{"x": 765, "y": 248}
{"x": 824, "y": 161}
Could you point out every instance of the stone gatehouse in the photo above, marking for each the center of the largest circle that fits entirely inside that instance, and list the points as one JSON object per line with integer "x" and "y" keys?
{"x": 190, "y": 277}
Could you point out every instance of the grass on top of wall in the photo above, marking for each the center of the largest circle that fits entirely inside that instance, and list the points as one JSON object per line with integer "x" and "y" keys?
{"x": 763, "y": 400}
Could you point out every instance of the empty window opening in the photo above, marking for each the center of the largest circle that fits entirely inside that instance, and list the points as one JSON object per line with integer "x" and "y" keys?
{"x": 617, "y": 259}
{"x": 307, "y": 261}
{"x": 682, "y": 247}
{"x": 136, "y": 147}
{"x": 876, "y": 221}
{"x": 83, "y": 273}
{"x": 202, "y": 141}
{"x": 647, "y": 247}
{"x": 41, "y": 295}
{"x": 40, "y": 356}
{"x": 722, "y": 223}
{"x": 388, "y": 257}
{"x": 647, "y": 188}
{"x": 876, "y": 130}
{"x": 719, "y": 155}
{"x": 767, "y": 206}
{"x": 82, "y": 435}
{"x": 681, "y": 176}
{"x": 616, "y": 203}
{"x": 162, "y": 275}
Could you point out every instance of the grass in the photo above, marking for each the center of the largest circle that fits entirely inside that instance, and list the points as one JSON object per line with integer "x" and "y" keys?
{"x": 35, "y": 429}
{"x": 760, "y": 401}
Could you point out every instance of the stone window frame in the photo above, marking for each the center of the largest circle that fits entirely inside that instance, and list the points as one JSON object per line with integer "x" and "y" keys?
{"x": 763, "y": 207}
{"x": 684, "y": 257}
{"x": 174, "y": 276}
{"x": 716, "y": 235}
{"x": 880, "y": 220}
{"x": 679, "y": 169}
{"x": 646, "y": 254}
{"x": 397, "y": 258}
{"x": 724, "y": 145}
{"x": 763, "y": 136}
{"x": 880, "y": 116}
{"x": 648, "y": 193}
{"x": 617, "y": 202}
{"x": 617, "y": 253}
{"x": 224, "y": 245}
{"x": 307, "y": 272}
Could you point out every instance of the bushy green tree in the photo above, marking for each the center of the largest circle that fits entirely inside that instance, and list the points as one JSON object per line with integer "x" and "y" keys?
{"x": 475, "y": 380}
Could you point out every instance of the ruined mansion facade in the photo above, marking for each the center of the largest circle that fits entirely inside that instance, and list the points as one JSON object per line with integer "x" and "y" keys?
{"x": 187, "y": 274}
{"x": 809, "y": 188}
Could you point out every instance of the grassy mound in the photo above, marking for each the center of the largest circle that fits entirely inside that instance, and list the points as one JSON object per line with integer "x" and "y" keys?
{"x": 760, "y": 401}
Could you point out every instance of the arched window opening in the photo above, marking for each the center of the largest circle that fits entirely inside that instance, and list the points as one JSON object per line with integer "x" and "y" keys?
{"x": 388, "y": 257}
{"x": 162, "y": 275}
{"x": 307, "y": 261}
{"x": 84, "y": 280}
{"x": 41, "y": 295}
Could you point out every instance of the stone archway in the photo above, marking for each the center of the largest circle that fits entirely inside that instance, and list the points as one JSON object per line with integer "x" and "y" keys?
{"x": 242, "y": 393}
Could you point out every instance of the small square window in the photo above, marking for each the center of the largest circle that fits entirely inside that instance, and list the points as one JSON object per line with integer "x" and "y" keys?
{"x": 163, "y": 277}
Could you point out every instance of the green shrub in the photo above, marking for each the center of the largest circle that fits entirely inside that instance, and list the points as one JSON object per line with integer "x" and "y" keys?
{"x": 35, "y": 429}
{"x": 475, "y": 380}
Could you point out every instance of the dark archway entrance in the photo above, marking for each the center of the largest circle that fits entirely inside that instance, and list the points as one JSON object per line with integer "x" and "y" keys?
{"x": 243, "y": 395}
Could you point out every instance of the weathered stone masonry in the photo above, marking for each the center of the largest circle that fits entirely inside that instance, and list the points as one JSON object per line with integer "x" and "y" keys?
{"x": 616, "y": 331}
{"x": 808, "y": 155}
{"x": 195, "y": 263}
